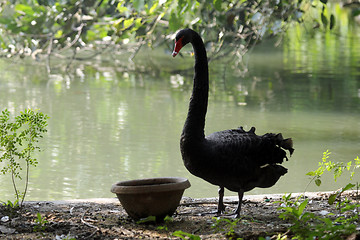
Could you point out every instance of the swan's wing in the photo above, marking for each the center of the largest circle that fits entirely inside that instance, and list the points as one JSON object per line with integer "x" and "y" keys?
{"x": 249, "y": 148}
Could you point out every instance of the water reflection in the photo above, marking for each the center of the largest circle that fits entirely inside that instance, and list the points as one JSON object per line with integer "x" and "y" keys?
{"x": 112, "y": 125}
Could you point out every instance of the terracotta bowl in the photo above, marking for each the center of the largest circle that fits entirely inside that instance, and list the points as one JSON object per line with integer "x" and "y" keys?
{"x": 157, "y": 197}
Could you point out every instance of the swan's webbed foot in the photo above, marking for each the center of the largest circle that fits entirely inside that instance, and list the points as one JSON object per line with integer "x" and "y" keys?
{"x": 221, "y": 210}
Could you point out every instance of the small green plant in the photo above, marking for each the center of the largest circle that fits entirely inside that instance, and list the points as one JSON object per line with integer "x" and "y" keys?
{"x": 336, "y": 167}
{"x": 278, "y": 237}
{"x": 307, "y": 225}
{"x": 226, "y": 225}
{"x": 18, "y": 141}
{"x": 185, "y": 235}
{"x": 9, "y": 205}
{"x": 149, "y": 219}
{"x": 294, "y": 211}
{"x": 167, "y": 221}
{"x": 154, "y": 219}
{"x": 40, "y": 223}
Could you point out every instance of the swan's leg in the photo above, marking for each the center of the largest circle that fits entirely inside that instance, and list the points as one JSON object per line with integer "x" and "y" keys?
{"x": 221, "y": 206}
{"x": 237, "y": 211}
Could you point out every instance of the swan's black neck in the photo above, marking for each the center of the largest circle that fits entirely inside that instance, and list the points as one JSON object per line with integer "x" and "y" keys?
{"x": 195, "y": 121}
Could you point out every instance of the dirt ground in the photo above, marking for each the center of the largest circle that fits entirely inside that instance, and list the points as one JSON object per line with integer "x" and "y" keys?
{"x": 106, "y": 219}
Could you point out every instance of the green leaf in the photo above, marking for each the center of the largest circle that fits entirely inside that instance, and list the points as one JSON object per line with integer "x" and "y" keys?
{"x": 318, "y": 182}
{"x": 288, "y": 209}
{"x": 167, "y": 218}
{"x": 327, "y": 221}
{"x": 138, "y": 4}
{"x": 147, "y": 220}
{"x": 332, "y": 198}
{"x": 58, "y": 34}
{"x": 302, "y": 206}
{"x": 138, "y": 23}
{"x": 174, "y": 22}
{"x": 128, "y": 22}
{"x": 347, "y": 187}
{"x": 332, "y": 21}
{"x": 348, "y": 165}
{"x": 217, "y": 4}
{"x": 357, "y": 160}
{"x": 121, "y": 9}
{"x": 153, "y": 8}
{"x": 183, "y": 235}
{"x": 5, "y": 21}
{"x": 324, "y": 20}
{"x": 24, "y": 9}
{"x": 182, "y": 6}
{"x": 312, "y": 173}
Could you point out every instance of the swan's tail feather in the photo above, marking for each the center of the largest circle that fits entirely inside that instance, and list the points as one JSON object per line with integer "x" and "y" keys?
{"x": 273, "y": 148}
{"x": 249, "y": 148}
{"x": 286, "y": 144}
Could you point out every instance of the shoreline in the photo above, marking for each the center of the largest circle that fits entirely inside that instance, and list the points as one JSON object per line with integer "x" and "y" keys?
{"x": 227, "y": 199}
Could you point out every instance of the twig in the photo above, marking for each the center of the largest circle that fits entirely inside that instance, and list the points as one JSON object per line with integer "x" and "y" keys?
{"x": 213, "y": 202}
{"x": 97, "y": 229}
{"x": 26, "y": 182}
{"x": 77, "y": 37}
{"x": 48, "y": 68}
{"x": 27, "y": 166}
{"x": 136, "y": 51}
{"x": 14, "y": 184}
{"x": 71, "y": 60}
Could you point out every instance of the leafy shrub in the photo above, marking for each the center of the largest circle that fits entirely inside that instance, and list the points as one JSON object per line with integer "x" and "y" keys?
{"x": 307, "y": 225}
{"x": 18, "y": 142}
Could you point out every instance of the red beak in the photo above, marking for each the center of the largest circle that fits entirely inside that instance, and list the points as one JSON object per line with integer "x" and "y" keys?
{"x": 178, "y": 46}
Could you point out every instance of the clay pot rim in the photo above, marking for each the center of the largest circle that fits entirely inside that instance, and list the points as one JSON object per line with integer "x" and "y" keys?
{"x": 149, "y": 185}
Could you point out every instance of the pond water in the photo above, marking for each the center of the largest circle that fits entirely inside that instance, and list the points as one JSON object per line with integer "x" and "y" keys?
{"x": 108, "y": 125}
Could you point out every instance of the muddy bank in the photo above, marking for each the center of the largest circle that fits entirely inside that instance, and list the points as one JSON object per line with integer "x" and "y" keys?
{"x": 106, "y": 219}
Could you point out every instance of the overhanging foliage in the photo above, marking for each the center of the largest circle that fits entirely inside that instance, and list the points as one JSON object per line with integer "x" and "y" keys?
{"x": 41, "y": 28}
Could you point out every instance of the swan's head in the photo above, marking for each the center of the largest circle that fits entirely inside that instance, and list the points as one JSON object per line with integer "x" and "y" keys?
{"x": 182, "y": 38}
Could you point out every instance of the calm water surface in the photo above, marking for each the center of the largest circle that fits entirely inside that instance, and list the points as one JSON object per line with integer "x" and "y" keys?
{"x": 109, "y": 125}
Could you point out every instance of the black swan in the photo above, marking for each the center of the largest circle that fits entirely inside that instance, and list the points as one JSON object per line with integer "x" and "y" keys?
{"x": 233, "y": 159}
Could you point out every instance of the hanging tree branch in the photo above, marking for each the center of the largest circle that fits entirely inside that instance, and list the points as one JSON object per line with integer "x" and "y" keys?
{"x": 234, "y": 25}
